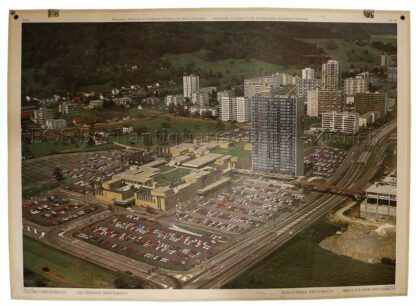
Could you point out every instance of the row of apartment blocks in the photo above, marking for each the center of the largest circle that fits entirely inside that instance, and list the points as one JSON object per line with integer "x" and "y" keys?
{"x": 321, "y": 101}
{"x": 347, "y": 122}
{"x": 45, "y": 113}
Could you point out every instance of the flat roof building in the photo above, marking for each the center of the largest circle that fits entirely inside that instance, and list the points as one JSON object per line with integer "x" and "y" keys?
{"x": 381, "y": 200}
{"x": 344, "y": 122}
{"x": 202, "y": 160}
{"x": 370, "y": 102}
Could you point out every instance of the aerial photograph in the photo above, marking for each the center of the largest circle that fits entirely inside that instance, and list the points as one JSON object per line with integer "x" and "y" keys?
{"x": 208, "y": 154}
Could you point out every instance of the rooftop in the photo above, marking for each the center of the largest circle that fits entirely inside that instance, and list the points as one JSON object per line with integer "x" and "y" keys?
{"x": 202, "y": 160}
{"x": 383, "y": 188}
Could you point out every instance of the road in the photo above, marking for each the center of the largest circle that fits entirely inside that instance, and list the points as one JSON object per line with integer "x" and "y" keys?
{"x": 249, "y": 250}
{"x": 245, "y": 254}
{"x": 60, "y": 237}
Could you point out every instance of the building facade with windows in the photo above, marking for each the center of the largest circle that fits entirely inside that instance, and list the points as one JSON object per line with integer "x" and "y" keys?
{"x": 308, "y": 73}
{"x": 321, "y": 101}
{"x": 305, "y": 85}
{"x": 344, "y": 122}
{"x": 235, "y": 109}
{"x": 174, "y": 100}
{"x": 44, "y": 113}
{"x": 370, "y": 102}
{"x": 190, "y": 85}
{"x": 331, "y": 75}
{"x": 352, "y": 86}
{"x": 276, "y": 131}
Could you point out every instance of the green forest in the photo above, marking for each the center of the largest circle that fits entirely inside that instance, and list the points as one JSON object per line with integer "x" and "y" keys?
{"x": 65, "y": 57}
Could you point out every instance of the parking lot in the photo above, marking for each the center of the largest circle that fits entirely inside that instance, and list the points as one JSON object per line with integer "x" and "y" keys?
{"x": 81, "y": 170}
{"x": 324, "y": 162}
{"x": 149, "y": 241}
{"x": 55, "y": 210}
{"x": 242, "y": 206}
{"x": 93, "y": 169}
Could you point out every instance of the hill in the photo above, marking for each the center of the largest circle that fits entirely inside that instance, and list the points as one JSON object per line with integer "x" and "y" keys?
{"x": 64, "y": 57}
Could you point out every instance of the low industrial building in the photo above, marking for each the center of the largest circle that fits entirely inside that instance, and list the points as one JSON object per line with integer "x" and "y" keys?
{"x": 202, "y": 160}
{"x": 138, "y": 186}
{"x": 381, "y": 200}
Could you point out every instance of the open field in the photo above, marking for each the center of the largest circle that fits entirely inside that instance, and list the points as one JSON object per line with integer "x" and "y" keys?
{"x": 347, "y": 52}
{"x": 303, "y": 263}
{"x": 229, "y": 68}
{"x": 235, "y": 149}
{"x": 39, "y": 149}
{"x": 383, "y": 38}
{"x": 64, "y": 270}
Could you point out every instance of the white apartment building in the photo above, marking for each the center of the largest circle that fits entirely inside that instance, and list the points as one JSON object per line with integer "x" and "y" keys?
{"x": 308, "y": 74}
{"x": 190, "y": 85}
{"x": 235, "y": 109}
{"x": 122, "y": 101}
{"x": 344, "y": 122}
{"x": 242, "y": 109}
{"x": 173, "y": 100}
{"x": 312, "y": 103}
{"x": 352, "y": 86}
{"x": 227, "y": 109}
{"x": 44, "y": 113}
{"x": 200, "y": 110}
{"x": 69, "y": 108}
{"x": 56, "y": 124}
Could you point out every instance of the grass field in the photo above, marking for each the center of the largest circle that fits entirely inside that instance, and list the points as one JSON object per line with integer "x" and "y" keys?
{"x": 302, "y": 263}
{"x": 165, "y": 168}
{"x": 172, "y": 177}
{"x": 229, "y": 68}
{"x": 347, "y": 52}
{"x": 39, "y": 149}
{"x": 145, "y": 112}
{"x": 48, "y": 267}
{"x": 236, "y": 149}
{"x": 383, "y": 38}
{"x": 34, "y": 191}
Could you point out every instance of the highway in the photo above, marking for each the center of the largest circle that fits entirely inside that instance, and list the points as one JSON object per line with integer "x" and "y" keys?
{"x": 252, "y": 246}
{"x": 248, "y": 252}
